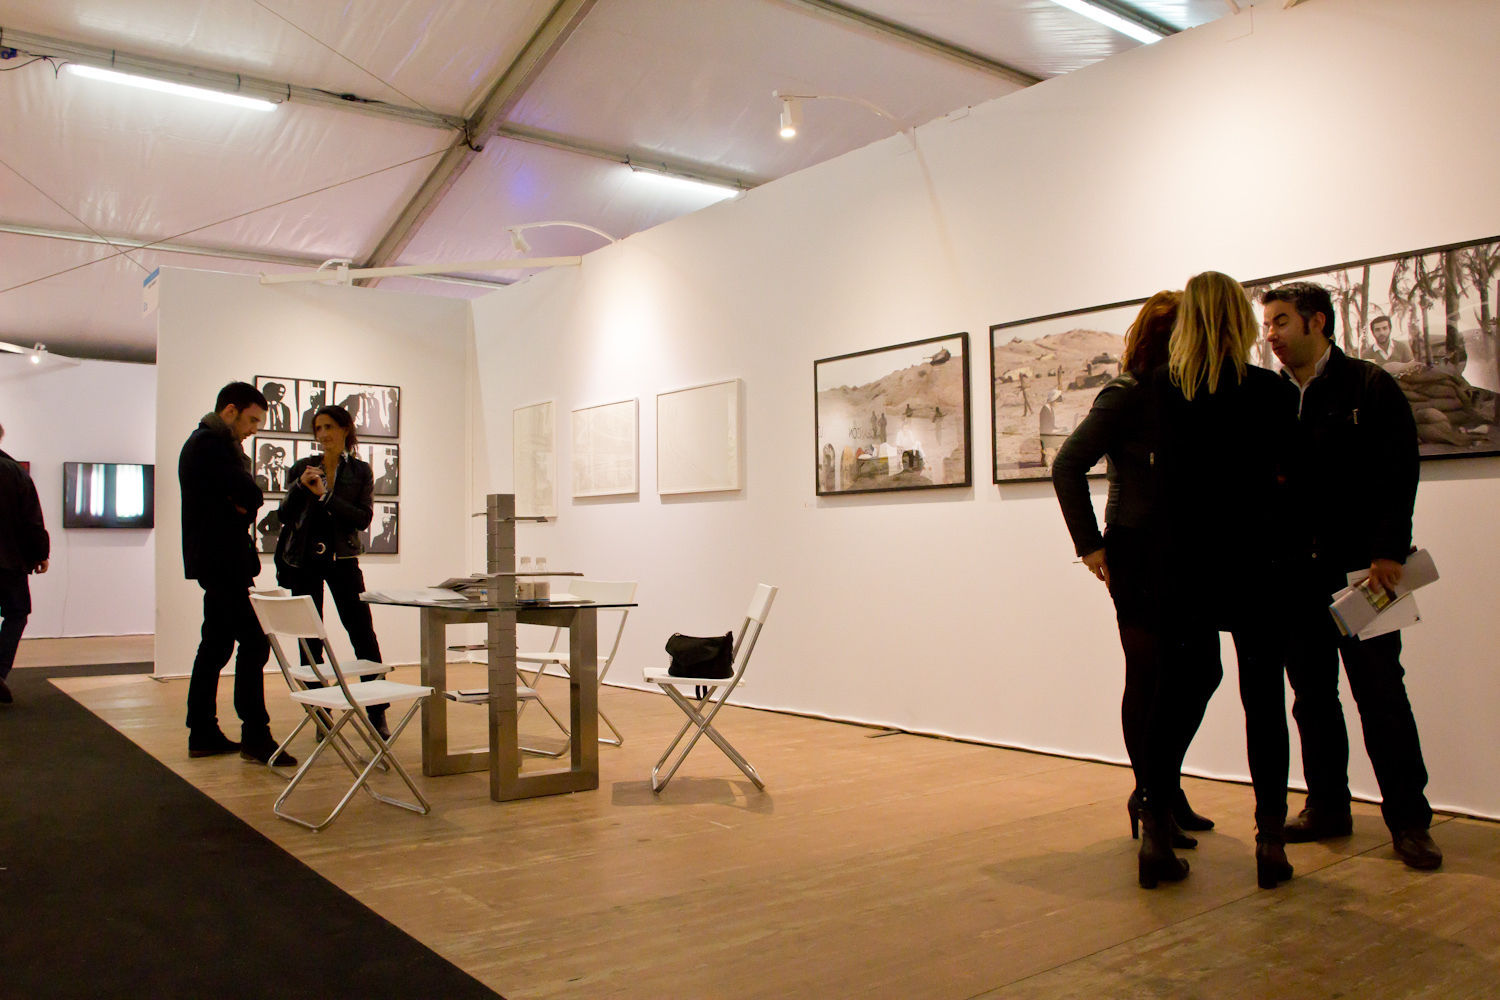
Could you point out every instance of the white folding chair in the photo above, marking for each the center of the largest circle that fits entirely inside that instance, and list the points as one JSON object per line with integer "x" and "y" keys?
{"x": 718, "y": 691}
{"x": 303, "y": 676}
{"x": 600, "y": 592}
{"x": 340, "y": 704}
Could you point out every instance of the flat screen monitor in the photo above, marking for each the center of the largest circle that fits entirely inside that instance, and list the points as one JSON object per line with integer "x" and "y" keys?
{"x": 108, "y": 495}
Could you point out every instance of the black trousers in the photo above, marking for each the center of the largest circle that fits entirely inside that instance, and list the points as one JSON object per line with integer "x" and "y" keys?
{"x": 228, "y": 618}
{"x": 346, "y": 581}
{"x": 1191, "y": 657}
{"x": 1376, "y": 680}
{"x": 1135, "y": 586}
{"x": 15, "y": 608}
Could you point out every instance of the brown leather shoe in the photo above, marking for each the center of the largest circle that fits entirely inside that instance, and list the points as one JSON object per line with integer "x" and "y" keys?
{"x": 1312, "y": 824}
{"x": 1416, "y": 848}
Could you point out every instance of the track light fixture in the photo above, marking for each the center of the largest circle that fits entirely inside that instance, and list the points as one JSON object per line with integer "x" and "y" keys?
{"x": 791, "y": 109}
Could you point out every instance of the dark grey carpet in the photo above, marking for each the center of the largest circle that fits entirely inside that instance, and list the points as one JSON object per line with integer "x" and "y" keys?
{"x": 119, "y": 879}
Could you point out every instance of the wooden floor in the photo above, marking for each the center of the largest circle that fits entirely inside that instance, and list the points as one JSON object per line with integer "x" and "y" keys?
{"x": 872, "y": 866}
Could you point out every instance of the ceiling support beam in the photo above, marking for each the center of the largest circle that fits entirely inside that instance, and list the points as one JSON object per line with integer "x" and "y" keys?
{"x": 196, "y": 250}
{"x": 917, "y": 40}
{"x": 213, "y": 79}
{"x": 654, "y": 161}
{"x": 539, "y": 50}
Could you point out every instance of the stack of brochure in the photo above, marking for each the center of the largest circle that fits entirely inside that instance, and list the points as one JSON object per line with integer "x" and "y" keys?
{"x": 1365, "y": 610}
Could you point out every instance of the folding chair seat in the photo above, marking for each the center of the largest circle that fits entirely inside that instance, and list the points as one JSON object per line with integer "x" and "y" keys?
{"x": 600, "y": 592}
{"x": 718, "y": 690}
{"x": 340, "y": 704}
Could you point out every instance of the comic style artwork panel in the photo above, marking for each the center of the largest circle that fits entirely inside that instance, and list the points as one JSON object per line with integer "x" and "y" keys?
{"x": 271, "y": 458}
{"x": 376, "y": 409}
{"x": 383, "y": 536}
{"x": 893, "y": 418}
{"x": 292, "y": 402}
{"x": 384, "y": 460}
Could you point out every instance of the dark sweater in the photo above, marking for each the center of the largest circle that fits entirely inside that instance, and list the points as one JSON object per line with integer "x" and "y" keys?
{"x": 1116, "y": 430}
{"x": 1358, "y": 465}
{"x": 24, "y": 544}
{"x": 219, "y": 502}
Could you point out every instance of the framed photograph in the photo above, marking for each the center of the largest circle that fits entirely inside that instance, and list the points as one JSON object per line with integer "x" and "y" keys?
{"x": 293, "y": 401}
{"x": 383, "y": 536}
{"x": 893, "y": 418}
{"x": 1428, "y": 317}
{"x": 268, "y": 528}
{"x": 1044, "y": 375}
{"x": 307, "y": 449}
{"x": 271, "y": 456}
{"x": 385, "y": 461}
{"x": 376, "y": 409}
{"x": 698, "y": 444}
{"x": 606, "y": 449}
{"x": 534, "y": 460}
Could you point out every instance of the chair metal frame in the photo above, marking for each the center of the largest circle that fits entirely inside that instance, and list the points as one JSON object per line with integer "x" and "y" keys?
{"x": 603, "y": 592}
{"x": 297, "y": 617}
{"x": 718, "y": 690}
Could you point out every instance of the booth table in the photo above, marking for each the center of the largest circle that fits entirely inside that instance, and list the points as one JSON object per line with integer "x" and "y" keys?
{"x": 503, "y": 758}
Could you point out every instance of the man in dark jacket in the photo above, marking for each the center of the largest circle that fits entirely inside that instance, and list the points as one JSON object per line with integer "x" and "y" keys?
{"x": 24, "y": 548}
{"x": 219, "y": 503}
{"x": 1358, "y": 483}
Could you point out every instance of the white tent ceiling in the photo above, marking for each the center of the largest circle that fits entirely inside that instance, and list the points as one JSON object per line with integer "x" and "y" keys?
{"x": 100, "y": 184}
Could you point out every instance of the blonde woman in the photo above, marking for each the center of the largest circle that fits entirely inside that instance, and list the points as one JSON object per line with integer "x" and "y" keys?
{"x": 1223, "y": 429}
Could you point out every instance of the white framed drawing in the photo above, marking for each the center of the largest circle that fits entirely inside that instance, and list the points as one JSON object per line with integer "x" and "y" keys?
{"x": 534, "y": 460}
{"x": 698, "y": 438}
{"x": 606, "y": 449}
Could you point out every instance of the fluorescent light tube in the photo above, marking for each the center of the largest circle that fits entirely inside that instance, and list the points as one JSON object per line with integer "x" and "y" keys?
{"x": 165, "y": 87}
{"x": 721, "y": 191}
{"x": 1110, "y": 19}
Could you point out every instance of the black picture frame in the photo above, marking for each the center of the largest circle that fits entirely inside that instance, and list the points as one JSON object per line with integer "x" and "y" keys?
{"x": 893, "y": 418}
{"x": 293, "y": 401}
{"x": 376, "y": 409}
{"x": 1429, "y": 295}
{"x": 383, "y": 536}
{"x": 384, "y": 459}
{"x": 271, "y": 458}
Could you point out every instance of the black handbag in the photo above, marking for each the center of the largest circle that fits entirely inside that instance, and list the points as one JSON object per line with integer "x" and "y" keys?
{"x": 699, "y": 656}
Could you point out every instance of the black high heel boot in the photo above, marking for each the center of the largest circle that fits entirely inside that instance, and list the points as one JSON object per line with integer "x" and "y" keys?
{"x": 1156, "y": 862}
{"x": 1185, "y": 818}
{"x": 1271, "y": 865}
{"x": 1133, "y": 808}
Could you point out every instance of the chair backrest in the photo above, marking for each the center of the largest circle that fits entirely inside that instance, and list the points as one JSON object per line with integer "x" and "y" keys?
{"x": 755, "y": 619}
{"x": 607, "y": 592}
{"x": 297, "y": 618}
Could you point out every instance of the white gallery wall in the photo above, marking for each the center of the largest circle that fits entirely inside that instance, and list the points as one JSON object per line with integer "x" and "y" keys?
{"x": 100, "y": 581}
{"x": 216, "y": 328}
{"x": 1260, "y": 144}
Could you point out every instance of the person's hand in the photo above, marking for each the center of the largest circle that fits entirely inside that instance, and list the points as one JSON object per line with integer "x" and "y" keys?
{"x": 1385, "y": 573}
{"x": 312, "y": 478}
{"x": 41, "y": 567}
{"x": 1098, "y": 565}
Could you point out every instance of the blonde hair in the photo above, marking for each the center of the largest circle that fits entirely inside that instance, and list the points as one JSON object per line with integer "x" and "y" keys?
{"x": 1215, "y": 325}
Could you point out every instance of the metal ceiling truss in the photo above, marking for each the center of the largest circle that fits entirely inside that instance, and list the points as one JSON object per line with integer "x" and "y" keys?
{"x": 213, "y": 79}
{"x": 122, "y": 243}
{"x": 482, "y": 126}
{"x": 917, "y": 40}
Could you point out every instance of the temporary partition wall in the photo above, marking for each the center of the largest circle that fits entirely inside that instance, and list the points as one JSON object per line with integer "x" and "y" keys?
{"x": 1263, "y": 143}
{"x": 100, "y": 580}
{"x": 217, "y": 328}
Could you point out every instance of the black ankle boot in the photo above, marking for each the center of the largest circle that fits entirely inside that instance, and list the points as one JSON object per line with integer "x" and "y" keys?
{"x": 1185, "y": 818}
{"x": 1157, "y": 863}
{"x": 1271, "y": 865}
{"x": 1133, "y": 808}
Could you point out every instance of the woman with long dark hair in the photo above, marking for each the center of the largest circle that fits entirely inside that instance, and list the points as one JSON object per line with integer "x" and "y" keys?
{"x": 329, "y": 502}
{"x": 1127, "y": 558}
{"x": 1223, "y": 433}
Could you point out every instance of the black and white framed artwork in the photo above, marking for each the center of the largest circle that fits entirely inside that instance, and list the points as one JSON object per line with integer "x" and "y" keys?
{"x": 376, "y": 409}
{"x": 292, "y": 402}
{"x": 385, "y": 461}
{"x": 382, "y": 537}
{"x": 271, "y": 457}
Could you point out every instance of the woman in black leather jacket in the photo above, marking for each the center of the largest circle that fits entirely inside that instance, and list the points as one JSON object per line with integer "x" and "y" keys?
{"x": 1128, "y": 556}
{"x": 330, "y": 500}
